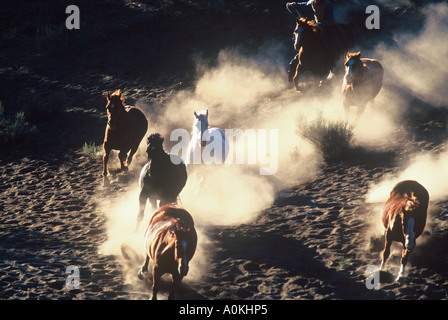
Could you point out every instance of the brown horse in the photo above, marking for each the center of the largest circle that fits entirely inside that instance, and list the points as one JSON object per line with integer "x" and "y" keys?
{"x": 319, "y": 48}
{"x": 404, "y": 218}
{"x": 126, "y": 126}
{"x": 170, "y": 243}
{"x": 362, "y": 82}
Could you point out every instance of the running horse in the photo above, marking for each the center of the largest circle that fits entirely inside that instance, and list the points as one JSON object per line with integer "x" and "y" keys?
{"x": 404, "y": 218}
{"x": 362, "y": 82}
{"x": 162, "y": 178}
{"x": 170, "y": 243}
{"x": 208, "y": 144}
{"x": 126, "y": 126}
{"x": 319, "y": 53}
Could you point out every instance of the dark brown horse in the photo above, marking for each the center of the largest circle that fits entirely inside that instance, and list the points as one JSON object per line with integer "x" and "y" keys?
{"x": 404, "y": 218}
{"x": 162, "y": 178}
{"x": 319, "y": 48}
{"x": 362, "y": 82}
{"x": 126, "y": 126}
{"x": 170, "y": 243}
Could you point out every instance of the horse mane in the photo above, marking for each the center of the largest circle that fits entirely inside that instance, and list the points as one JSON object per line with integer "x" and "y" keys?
{"x": 174, "y": 213}
{"x": 155, "y": 138}
{"x": 309, "y": 23}
{"x": 400, "y": 203}
{"x": 349, "y": 55}
{"x": 116, "y": 96}
{"x": 412, "y": 203}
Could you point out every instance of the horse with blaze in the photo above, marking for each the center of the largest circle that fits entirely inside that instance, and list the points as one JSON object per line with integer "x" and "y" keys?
{"x": 404, "y": 218}
{"x": 362, "y": 82}
{"x": 170, "y": 243}
{"x": 162, "y": 178}
{"x": 126, "y": 127}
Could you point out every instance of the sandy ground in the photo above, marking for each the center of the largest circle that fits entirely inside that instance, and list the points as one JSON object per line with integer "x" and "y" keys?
{"x": 310, "y": 238}
{"x": 314, "y": 242}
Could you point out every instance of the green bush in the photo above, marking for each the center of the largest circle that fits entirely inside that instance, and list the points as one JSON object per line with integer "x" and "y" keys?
{"x": 14, "y": 128}
{"x": 332, "y": 138}
{"x": 92, "y": 151}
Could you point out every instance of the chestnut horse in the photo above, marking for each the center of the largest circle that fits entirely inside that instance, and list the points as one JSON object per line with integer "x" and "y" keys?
{"x": 162, "y": 178}
{"x": 319, "y": 54}
{"x": 170, "y": 243}
{"x": 362, "y": 82}
{"x": 404, "y": 218}
{"x": 126, "y": 126}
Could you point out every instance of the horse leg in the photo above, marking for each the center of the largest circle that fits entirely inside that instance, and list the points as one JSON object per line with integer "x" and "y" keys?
{"x": 361, "y": 109}
{"x": 386, "y": 251}
{"x": 131, "y": 155}
{"x": 122, "y": 157}
{"x": 156, "y": 275}
{"x": 141, "y": 206}
{"x": 153, "y": 202}
{"x": 404, "y": 261}
{"x": 295, "y": 79}
{"x": 167, "y": 199}
{"x": 176, "y": 282}
{"x": 346, "y": 106}
{"x": 144, "y": 268}
{"x": 293, "y": 67}
{"x": 105, "y": 160}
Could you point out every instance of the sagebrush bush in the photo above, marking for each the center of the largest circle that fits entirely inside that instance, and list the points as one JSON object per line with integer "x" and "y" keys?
{"x": 14, "y": 128}
{"x": 332, "y": 138}
{"x": 92, "y": 151}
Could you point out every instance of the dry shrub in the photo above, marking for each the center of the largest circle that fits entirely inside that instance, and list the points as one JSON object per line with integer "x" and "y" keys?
{"x": 332, "y": 138}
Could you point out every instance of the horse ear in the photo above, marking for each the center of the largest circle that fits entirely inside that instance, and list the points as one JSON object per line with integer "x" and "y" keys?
{"x": 195, "y": 114}
{"x": 206, "y": 113}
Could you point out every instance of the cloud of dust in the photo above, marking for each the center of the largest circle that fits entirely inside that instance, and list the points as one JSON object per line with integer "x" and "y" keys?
{"x": 414, "y": 67}
{"x": 417, "y": 63}
{"x": 240, "y": 93}
{"x": 429, "y": 169}
{"x": 253, "y": 93}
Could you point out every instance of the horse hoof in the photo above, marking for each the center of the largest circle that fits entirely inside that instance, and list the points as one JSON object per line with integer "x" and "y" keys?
{"x": 400, "y": 278}
{"x": 140, "y": 275}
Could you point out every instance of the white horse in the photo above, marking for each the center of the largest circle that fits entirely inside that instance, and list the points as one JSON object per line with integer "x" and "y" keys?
{"x": 207, "y": 145}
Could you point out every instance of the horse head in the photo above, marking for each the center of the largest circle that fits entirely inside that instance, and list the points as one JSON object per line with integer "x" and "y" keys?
{"x": 155, "y": 145}
{"x": 181, "y": 232}
{"x": 353, "y": 65}
{"x": 302, "y": 30}
{"x": 201, "y": 124}
{"x": 114, "y": 107}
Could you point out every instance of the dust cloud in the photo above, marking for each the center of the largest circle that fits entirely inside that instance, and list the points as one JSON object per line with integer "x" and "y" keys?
{"x": 415, "y": 68}
{"x": 252, "y": 93}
